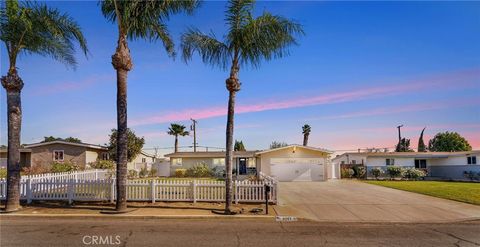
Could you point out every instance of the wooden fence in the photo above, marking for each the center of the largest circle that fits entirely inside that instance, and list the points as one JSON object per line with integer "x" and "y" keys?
{"x": 75, "y": 189}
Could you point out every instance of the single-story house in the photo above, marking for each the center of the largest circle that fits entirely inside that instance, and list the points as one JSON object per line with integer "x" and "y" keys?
{"x": 142, "y": 160}
{"x": 25, "y": 155}
{"x": 449, "y": 165}
{"x": 290, "y": 163}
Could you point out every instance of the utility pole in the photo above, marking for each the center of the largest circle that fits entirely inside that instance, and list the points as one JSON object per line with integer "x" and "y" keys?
{"x": 399, "y": 134}
{"x": 193, "y": 128}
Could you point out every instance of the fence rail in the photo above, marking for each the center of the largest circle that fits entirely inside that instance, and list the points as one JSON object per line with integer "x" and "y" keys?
{"x": 84, "y": 188}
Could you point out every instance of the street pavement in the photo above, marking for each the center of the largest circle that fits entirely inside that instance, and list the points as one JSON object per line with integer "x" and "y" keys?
{"x": 111, "y": 231}
{"x": 353, "y": 201}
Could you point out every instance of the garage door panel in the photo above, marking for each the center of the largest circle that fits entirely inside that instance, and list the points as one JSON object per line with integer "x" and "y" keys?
{"x": 297, "y": 172}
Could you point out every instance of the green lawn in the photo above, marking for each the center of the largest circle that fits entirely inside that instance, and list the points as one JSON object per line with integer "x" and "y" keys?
{"x": 458, "y": 191}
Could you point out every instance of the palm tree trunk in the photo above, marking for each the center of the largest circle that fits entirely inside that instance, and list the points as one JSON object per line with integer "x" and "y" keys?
{"x": 176, "y": 143}
{"x": 121, "y": 61}
{"x": 305, "y": 140}
{"x": 13, "y": 84}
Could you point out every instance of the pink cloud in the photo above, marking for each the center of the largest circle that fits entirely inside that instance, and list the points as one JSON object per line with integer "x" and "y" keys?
{"x": 66, "y": 86}
{"x": 458, "y": 79}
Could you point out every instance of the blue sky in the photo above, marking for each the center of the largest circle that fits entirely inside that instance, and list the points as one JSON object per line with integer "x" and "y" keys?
{"x": 362, "y": 69}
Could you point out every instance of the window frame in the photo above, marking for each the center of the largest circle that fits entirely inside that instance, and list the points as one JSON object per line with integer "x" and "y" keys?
{"x": 218, "y": 163}
{"x": 176, "y": 163}
{"x": 471, "y": 160}
{"x": 420, "y": 164}
{"x": 59, "y": 151}
{"x": 389, "y": 162}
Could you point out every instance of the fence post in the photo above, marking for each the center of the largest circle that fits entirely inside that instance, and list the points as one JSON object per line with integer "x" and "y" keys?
{"x": 70, "y": 188}
{"x": 112, "y": 190}
{"x": 235, "y": 186}
{"x": 194, "y": 190}
{"x": 29, "y": 191}
{"x": 96, "y": 174}
{"x": 153, "y": 189}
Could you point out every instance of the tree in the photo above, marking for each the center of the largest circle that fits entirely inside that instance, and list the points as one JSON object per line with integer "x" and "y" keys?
{"x": 306, "y": 129}
{"x": 403, "y": 146}
{"x": 136, "y": 20}
{"x": 276, "y": 144}
{"x": 177, "y": 130}
{"x": 68, "y": 139}
{"x": 134, "y": 145}
{"x": 30, "y": 28}
{"x": 249, "y": 41}
{"x": 239, "y": 146}
{"x": 448, "y": 142}
{"x": 421, "y": 145}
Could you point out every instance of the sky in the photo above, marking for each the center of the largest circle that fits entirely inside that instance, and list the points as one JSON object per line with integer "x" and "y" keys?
{"x": 361, "y": 69}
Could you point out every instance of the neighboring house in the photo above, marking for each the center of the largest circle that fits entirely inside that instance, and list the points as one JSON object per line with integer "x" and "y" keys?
{"x": 25, "y": 154}
{"x": 290, "y": 163}
{"x": 449, "y": 165}
{"x": 142, "y": 160}
{"x": 45, "y": 153}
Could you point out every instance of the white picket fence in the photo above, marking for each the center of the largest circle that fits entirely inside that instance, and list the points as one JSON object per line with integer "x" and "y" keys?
{"x": 94, "y": 174}
{"x": 85, "y": 189}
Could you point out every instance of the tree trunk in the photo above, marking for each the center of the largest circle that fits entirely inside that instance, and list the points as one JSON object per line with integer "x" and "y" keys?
{"x": 176, "y": 143}
{"x": 13, "y": 84}
{"x": 121, "y": 61}
{"x": 305, "y": 140}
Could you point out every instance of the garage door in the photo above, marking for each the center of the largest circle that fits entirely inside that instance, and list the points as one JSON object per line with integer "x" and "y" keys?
{"x": 298, "y": 169}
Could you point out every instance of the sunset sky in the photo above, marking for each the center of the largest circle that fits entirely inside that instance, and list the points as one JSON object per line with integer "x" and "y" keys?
{"x": 362, "y": 69}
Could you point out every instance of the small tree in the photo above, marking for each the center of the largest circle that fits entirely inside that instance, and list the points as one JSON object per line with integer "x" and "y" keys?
{"x": 134, "y": 145}
{"x": 395, "y": 171}
{"x": 448, "y": 142}
{"x": 306, "y": 129}
{"x": 403, "y": 146}
{"x": 68, "y": 139}
{"x": 421, "y": 144}
{"x": 239, "y": 146}
{"x": 376, "y": 172}
{"x": 276, "y": 144}
{"x": 177, "y": 130}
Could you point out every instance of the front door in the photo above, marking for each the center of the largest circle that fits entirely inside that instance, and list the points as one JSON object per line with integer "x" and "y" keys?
{"x": 242, "y": 166}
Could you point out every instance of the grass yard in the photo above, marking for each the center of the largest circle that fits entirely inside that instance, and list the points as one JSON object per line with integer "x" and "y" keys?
{"x": 458, "y": 191}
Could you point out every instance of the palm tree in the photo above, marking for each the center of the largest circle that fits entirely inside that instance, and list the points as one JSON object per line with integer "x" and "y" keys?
{"x": 249, "y": 40}
{"x": 177, "y": 130}
{"x": 306, "y": 132}
{"x": 30, "y": 28}
{"x": 136, "y": 20}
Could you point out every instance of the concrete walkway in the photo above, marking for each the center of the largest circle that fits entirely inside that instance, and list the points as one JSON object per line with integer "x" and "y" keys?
{"x": 353, "y": 201}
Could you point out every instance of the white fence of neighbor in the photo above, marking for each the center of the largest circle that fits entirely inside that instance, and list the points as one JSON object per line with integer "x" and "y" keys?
{"x": 83, "y": 188}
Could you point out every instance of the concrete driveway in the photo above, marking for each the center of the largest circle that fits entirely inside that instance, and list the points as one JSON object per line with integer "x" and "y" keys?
{"x": 353, "y": 201}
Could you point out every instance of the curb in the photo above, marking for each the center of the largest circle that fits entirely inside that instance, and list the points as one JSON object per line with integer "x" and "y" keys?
{"x": 86, "y": 216}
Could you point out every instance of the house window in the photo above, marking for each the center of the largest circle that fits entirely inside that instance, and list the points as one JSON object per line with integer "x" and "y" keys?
{"x": 176, "y": 161}
{"x": 251, "y": 162}
{"x": 472, "y": 160}
{"x": 421, "y": 164}
{"x": 105, "y": 156}
{"x": 218, "y": 161}
{"x": 58, "y": 155}
{"x": 144, "y": 160}
{"x": 389, "y": 162}
{"x": 354, "y": 162}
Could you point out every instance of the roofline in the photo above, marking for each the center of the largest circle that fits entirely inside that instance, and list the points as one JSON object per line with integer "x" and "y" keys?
{"x": 409, "y": 154}
{"x": 87, "y": 145}
{"x": 195, "y": 154}
{"x": 295, "y": 145}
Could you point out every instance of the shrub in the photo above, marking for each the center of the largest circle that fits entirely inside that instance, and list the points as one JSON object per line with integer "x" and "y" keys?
{"x": 152, "y": 172}
{"x": 200, "y": 170}
{"x": 347, "y": 172}
{"x": 35, "y": 169}
{"x": 143, "y": 172}
{"x": 359, "y": 171}
{"x": 218, "y": 172}
{"x": 377, "y": 172}
{"x": 103, "y": 164}
{"x": 3, "y": 172}
{"x": 180, "y": 173}
{"x": 395, "y": 171}
{"x": 413, "y": 173}
{"x": 132, "y": 174}
{"x": 64, "y": 167}
{"x": 471, "y": 175}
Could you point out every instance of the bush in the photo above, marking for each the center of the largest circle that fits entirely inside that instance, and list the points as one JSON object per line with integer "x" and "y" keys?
{"x": 180, "y": 173}
{"x": 63, "y": 167}
{"x": 132, "y": 174}
{"x": 395, "y": 171}
{"x": 3, "y": 172}
{"x": 103, "y": 164}
{"x": 413, "y": 173}
{"x": 35, "y": 169}
{"x": 359, "y": 171}
{"x": 152, "y": 172}
{"x": 200, "y": 170}
{"x": 471, "y": 175}
{"x": 143, "y": 172}
{"x": 218, "y": 172}
{"x": 377, "y": 172}
{"x": 347, "y": 172}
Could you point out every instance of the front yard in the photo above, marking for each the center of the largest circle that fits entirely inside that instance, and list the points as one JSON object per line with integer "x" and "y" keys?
{"x": 458, "y": 191}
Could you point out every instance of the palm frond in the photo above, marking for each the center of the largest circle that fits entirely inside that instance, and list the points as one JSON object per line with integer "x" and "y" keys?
{"x": 212, "y": 51}
{"x": 237, "y": 15}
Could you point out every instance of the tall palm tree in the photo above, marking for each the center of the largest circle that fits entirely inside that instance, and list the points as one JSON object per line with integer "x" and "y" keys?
{"x": 306, "y": 132}
{"x": 249, "y": 41}
{"x": 136, "y": 20}
{"x": 30, "y": 28}
{"x": 177, "y": 130}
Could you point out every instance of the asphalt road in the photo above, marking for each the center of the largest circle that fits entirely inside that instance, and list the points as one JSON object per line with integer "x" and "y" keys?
{"x": 22, "y": 231}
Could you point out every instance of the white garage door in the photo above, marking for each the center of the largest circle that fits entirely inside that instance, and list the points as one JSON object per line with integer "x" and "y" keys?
{"x": 297, "y": 169}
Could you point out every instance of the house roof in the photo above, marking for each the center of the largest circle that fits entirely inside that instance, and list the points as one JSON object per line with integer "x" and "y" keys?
{"x": 204, "y": 154}
{"x": 86, "y": 145}
{"x": 22, "y": 150}
{"x": 296, "y": 146}
{"x": 412, "y": 154}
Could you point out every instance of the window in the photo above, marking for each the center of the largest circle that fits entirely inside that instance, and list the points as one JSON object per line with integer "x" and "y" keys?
{"x": 389, "y": 162}
{"x": 176, "y": 161}
{"x": 219, "y": 161}
{"x": 421, "y": 164}
{"x": 251, "y": 162}
{"x": 58, "y": 155}
{"x": 144, "y": 160}
{"x": 472, "y": 160}
{"x": 354, "y": 162}
{"x": 105, "y": 156}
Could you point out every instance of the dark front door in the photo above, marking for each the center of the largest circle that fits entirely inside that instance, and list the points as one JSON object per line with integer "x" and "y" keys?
{"x": 242, "y": 166}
